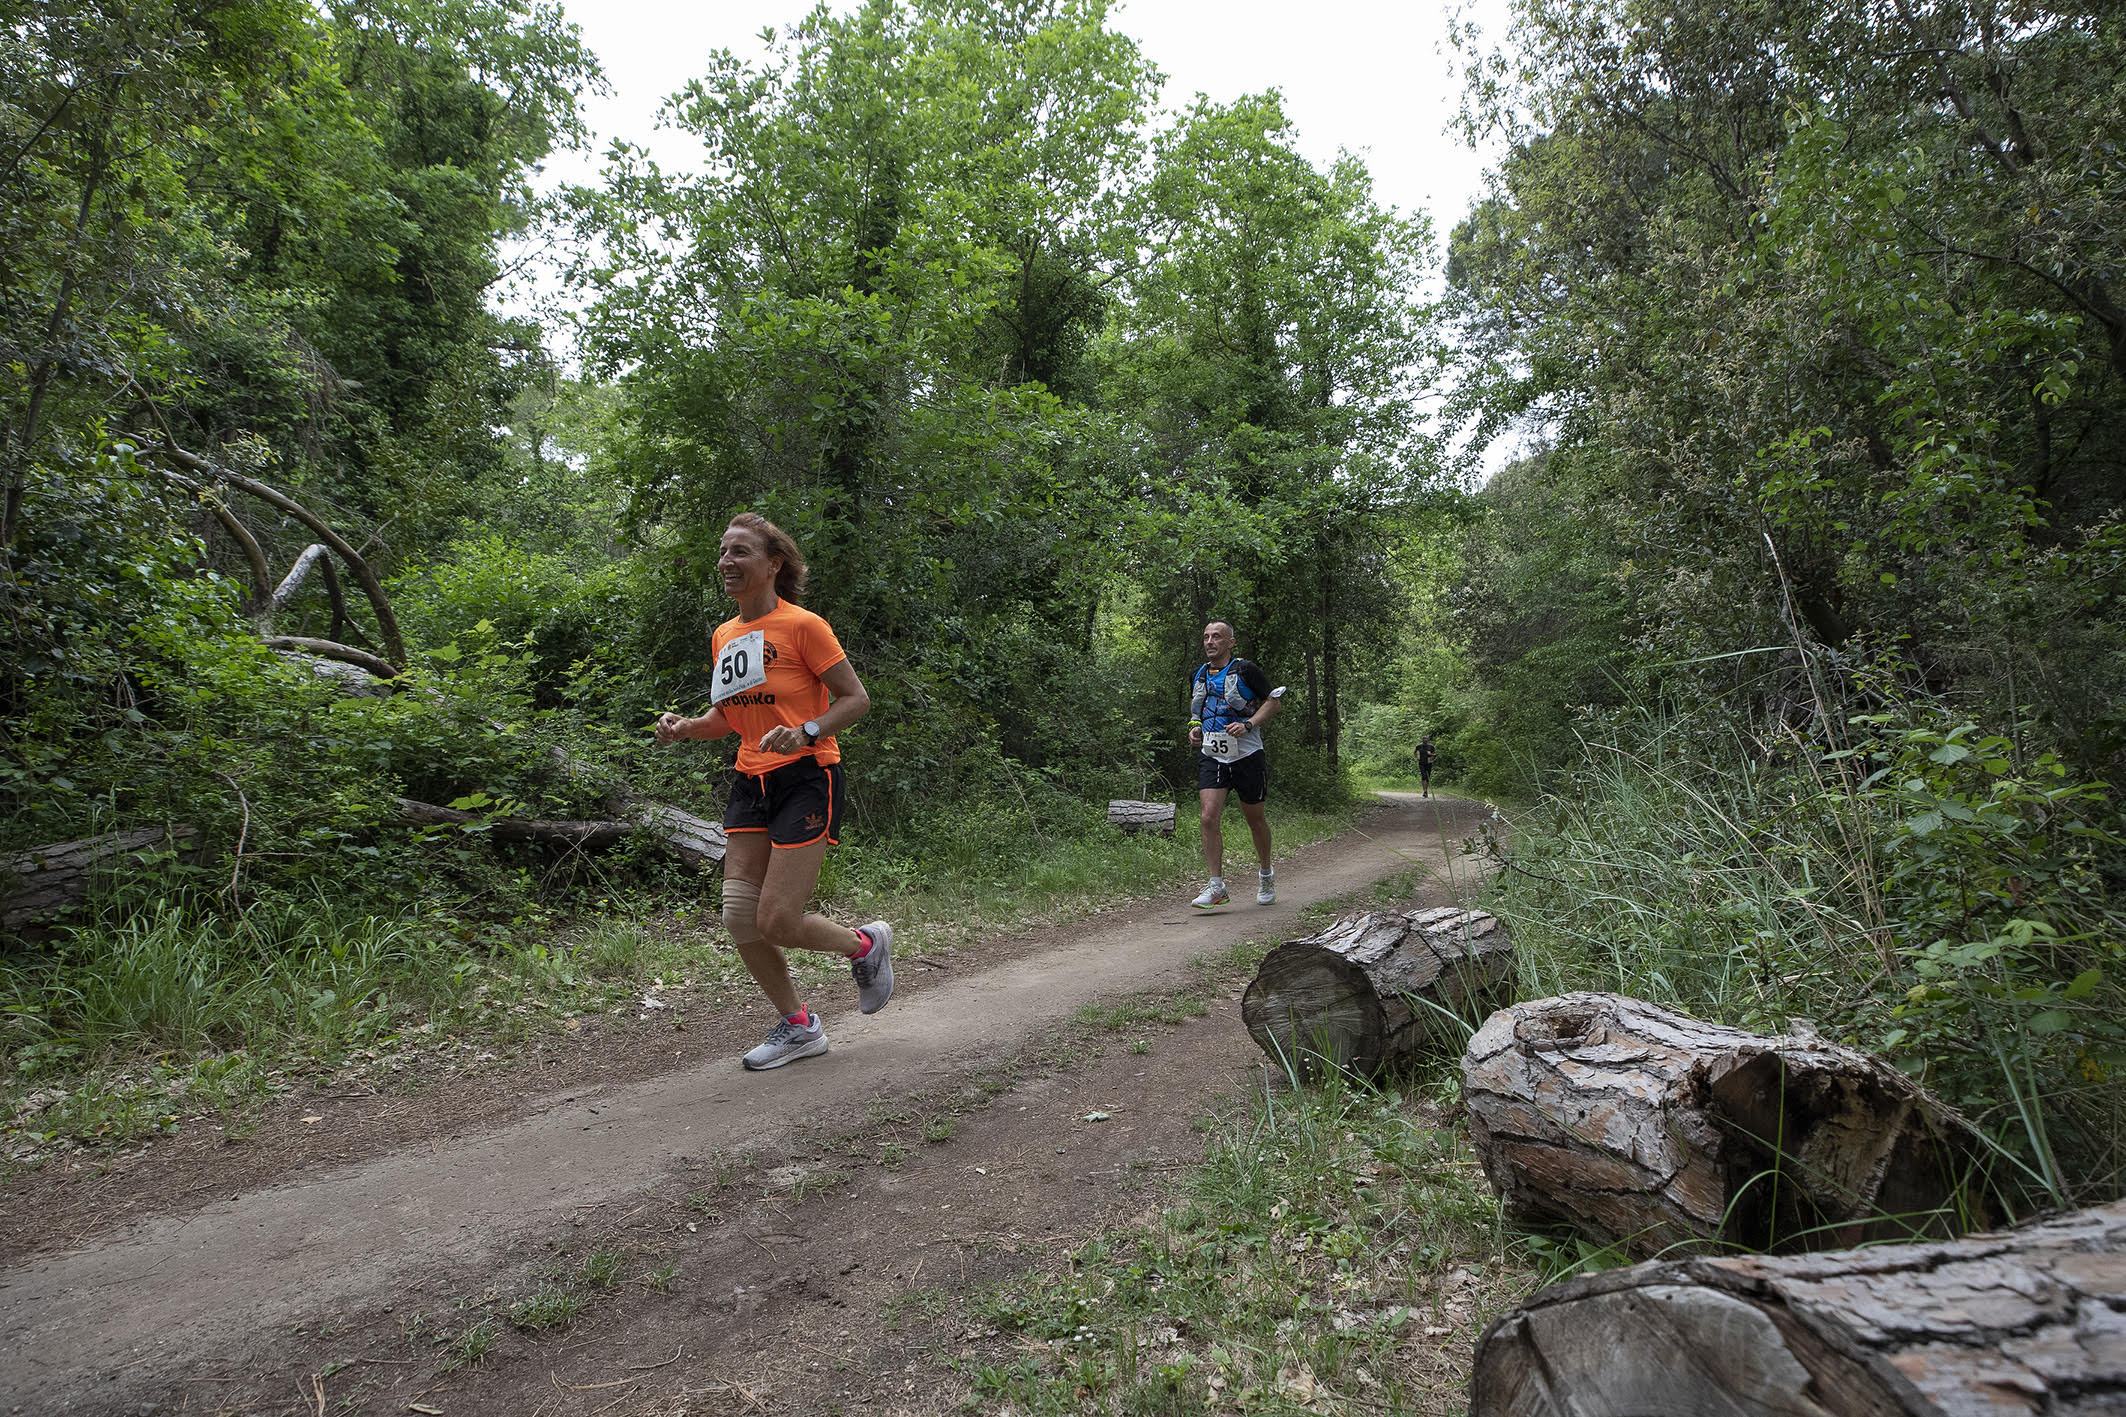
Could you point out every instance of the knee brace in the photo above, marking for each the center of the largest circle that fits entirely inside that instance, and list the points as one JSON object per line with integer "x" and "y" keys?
{"x": 741, "y": 906}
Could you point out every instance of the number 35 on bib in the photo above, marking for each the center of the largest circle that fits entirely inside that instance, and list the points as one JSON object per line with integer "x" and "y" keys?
{"x": 742, "y": 666}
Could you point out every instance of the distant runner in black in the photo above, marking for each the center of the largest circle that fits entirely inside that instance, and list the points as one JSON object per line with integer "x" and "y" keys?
{"x": 1425, "y": 754}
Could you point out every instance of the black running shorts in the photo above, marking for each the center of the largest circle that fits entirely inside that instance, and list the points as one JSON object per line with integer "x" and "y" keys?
{"x": 796, "y": 804}
{"x": 1248, "y": 777}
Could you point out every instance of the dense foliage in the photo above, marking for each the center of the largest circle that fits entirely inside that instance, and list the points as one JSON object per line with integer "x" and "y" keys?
{"x": 1040, "y": 378}
{"x": 1817, "y": 309}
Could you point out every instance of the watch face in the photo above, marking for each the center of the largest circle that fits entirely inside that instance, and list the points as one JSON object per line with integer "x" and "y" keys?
{"x": 812, "y": 730}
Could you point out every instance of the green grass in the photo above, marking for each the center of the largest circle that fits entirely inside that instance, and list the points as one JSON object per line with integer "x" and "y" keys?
{"x": 551, "y": 1305}
{"x": 602, "y": 1267}
{"x": 1338, "y": 1252}
{"x": 134, "y": 1026}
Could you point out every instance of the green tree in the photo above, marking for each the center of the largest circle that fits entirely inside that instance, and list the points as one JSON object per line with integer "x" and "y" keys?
{"x": 1273, "y": 349}
{"x": 849, "y": 320}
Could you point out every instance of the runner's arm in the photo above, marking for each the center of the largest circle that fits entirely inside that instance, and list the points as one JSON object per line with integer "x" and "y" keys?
{"x": 671, "y": 727}
{"x": 1258, "y": 687}
{"x": 1271, "y": 707}
{"x": 850, "y": 703}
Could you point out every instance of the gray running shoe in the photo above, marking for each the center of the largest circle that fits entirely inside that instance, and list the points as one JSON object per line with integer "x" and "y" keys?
{"x": 874, "y": 972}
{"x": 786, "y": 1043}
{"x": 1266, "y": 888}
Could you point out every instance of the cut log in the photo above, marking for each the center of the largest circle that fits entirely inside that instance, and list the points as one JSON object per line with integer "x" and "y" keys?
{"x": 1378, "y": 989}
{"x": 693, "y": 840}
{"x": 1664, "y": 1134}
{"x": 1134, "y": 817}
{"x": 47, "y": 879}
{"x": 2024, "y": 1321}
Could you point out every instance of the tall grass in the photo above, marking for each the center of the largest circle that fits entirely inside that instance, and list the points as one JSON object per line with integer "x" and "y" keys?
{"x": 174, "y": 979}
{"x": 1919, "y": 892}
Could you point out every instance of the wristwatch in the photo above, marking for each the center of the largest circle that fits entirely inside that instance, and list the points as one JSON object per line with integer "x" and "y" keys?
{"x": 811, "y": 732}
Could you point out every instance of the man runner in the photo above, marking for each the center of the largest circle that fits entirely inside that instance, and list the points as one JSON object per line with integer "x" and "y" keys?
{"x": 1230, "y": 702}
{"x": 1425, "y": 754}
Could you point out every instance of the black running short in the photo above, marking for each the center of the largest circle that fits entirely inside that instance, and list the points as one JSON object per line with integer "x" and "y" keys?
{"x": 796, "y": 804}
{"x": 1249, "y": 777}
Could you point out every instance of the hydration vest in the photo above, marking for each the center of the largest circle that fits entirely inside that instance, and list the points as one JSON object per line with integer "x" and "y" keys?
{"x": 1215, "y": 711}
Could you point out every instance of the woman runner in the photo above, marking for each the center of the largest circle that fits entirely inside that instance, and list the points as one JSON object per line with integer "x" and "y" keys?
{"x": 783, "y": 685}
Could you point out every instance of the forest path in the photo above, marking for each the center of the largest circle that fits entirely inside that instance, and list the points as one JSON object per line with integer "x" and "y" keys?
{"x": 95, "y": 1328}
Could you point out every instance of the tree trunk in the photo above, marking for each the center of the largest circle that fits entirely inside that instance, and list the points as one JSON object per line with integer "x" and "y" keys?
{"x": 47, "y": 879}
{"x": 1330, "y": 712}
{"x": 2024, "y": 1321}
{"x": 1375, "y": 990}
{"x": 1665, "y": 1134}
{"x": 1134, "y": 817}
{"x": 327, "y": 649}
{"x": 694, "y": 841}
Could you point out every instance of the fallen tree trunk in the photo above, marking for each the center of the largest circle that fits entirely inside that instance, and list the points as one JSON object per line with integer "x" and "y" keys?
{"x": 1134, "y": 817}
{"x": 694, "y": 841}
{"x": 1375, "y": 990}
{"x": 2024, "y": 1321}
{"x": 47, "y": 879}
{"x": 1650, "y": 1129}
{"x": 328, "y": 649}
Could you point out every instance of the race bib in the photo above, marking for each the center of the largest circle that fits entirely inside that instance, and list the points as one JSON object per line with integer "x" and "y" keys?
{"x": 743, "y": 665}
{"x": 1222, "y": 746}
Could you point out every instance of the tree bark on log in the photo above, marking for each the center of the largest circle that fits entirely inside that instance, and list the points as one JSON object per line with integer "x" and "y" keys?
{"x": 1135, "y": 817}
{"x": 1375, "y": 990}
{"x": 46, "y": 879}
{"x": 693, "y": 840}
{"x": 2023, "y": 1321}
{"x": 327, "y": 649}
{"x": 1650, "y": 1129}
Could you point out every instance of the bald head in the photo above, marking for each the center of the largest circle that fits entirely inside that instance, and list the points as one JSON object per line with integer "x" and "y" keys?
{"x": 1218, "y": 642}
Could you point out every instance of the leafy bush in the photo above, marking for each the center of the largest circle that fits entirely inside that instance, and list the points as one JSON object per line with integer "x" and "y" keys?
{"x": 1920, "y": 892}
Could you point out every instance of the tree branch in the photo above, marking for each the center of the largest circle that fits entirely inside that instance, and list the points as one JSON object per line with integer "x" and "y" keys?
{"x": 387, "y": 623}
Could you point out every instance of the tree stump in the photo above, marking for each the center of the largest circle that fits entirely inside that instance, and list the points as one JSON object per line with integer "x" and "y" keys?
{"x": 2024, "y": 1321}
{"x": 1134, "y": 817}
{"x": 47, "y": 879}
{"x": 1657, "y": 1131}
{"x": 1375, "y": 990}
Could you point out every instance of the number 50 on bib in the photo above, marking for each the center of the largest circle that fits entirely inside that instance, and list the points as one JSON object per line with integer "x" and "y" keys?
{"x": 741, "y": 666}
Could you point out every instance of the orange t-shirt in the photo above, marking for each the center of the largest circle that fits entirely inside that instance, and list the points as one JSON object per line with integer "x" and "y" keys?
{"x": 794, "y": 649}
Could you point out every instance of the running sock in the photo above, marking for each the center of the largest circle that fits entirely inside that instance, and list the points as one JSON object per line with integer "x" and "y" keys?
{"x": 802, "y": 1018}
{"x": 863, "y": 945}
{"x": 1217, "y": 883}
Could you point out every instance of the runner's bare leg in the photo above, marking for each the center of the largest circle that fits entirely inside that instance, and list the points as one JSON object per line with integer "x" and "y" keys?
{"x": 1258, "y": 827}
{"x": 786, "y": 879}
{"x": 1213, "y": 802}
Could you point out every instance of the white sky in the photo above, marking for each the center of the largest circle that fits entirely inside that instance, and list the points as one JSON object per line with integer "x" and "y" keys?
{"x": 1365, "y": 75}
{"x": 1369, "y": 76}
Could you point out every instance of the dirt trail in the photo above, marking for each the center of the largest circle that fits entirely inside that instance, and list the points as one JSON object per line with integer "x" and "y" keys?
{"x": 97, "y": 1328}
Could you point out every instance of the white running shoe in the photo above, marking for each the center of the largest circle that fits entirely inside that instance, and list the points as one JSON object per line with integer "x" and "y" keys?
{"x": 786, "y": 1043}
{"x": 874, "y": 972}
{"x": 1213, "y": 894}
{"x": 1265, "y": 888}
